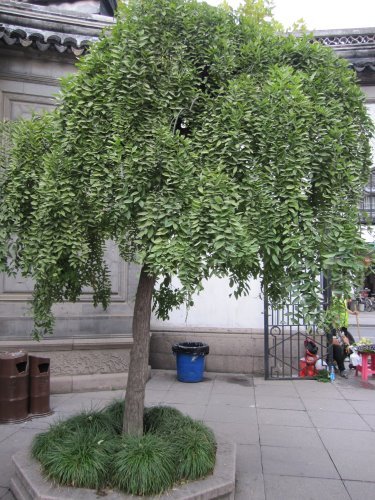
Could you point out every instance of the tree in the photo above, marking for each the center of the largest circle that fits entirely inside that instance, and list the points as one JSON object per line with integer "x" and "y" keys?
{"x": 204, "y": 142}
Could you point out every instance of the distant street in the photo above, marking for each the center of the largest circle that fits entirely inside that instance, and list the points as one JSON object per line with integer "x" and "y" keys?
{"x": 366, "y": 325}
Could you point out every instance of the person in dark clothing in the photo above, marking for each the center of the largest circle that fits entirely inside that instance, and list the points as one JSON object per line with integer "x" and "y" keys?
{"x": 370, "y": 283}
{"x": 340, "y": 349}
{"x": 340, "y": 339}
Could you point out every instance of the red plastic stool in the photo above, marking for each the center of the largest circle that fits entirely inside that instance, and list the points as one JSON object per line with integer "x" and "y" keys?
{"x": 365, "y": 369}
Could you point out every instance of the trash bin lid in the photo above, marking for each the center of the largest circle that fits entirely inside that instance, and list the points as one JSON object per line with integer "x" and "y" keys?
{"x": 191, "y": 348}
{"x": 11, "y": 355}
{"x": 13, "y": 363}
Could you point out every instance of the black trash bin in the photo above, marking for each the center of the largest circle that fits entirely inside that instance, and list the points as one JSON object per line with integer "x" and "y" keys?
{"x": 39, "y": 404}
{"x": 14, "y": 387}
{"x": 190, "y": 360}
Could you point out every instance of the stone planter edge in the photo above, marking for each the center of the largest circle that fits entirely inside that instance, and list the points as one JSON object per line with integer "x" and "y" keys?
{"x": 29, "y": 484}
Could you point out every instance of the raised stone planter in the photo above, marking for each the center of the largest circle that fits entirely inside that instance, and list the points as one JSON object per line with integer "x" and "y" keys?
{"x": 29, "y": 484}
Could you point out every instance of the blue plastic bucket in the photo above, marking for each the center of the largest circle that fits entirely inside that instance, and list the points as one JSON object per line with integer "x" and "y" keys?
{"x": 190, "y": 360}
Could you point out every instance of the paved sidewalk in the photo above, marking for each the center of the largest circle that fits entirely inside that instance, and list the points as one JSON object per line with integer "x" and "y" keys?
{"x": 296, "y": 440}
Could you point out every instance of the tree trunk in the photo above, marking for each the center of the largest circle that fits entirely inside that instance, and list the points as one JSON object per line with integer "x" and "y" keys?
{"x": 138, "y": 368}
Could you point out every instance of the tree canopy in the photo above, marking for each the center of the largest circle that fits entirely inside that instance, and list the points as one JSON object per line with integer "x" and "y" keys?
{"x": 204, "y": 142}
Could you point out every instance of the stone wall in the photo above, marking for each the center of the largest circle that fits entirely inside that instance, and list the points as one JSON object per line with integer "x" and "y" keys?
{"x": 81, "y": 364}
{"x": 231, "y": 350}
{"x": 29, "y": 81}
{"x": 90, "y": 347}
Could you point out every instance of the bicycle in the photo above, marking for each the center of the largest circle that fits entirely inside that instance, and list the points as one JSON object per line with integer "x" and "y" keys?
{"x": 370, "y": 304}
{"x": 367, "y": 300}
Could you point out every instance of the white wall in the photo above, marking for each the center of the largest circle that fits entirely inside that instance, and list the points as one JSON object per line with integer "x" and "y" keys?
{"x": 215, "y": 309}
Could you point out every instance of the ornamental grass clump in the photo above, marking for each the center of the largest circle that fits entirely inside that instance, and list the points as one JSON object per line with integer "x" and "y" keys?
{"x": 195, "y": 447}
{"x": 89, "y": 451}
{"x": 162, "y": 419}
{"x": 194, "y": 443}
{"x": 144, "y": 465}
{"x": 81, "y": 458}
{"x": 115, "y": 414}
{"x": 46, "y": 440}
{"x": 95, "y": 421}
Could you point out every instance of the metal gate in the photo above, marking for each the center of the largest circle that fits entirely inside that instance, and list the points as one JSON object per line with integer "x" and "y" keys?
{"x": 284, "y": 338}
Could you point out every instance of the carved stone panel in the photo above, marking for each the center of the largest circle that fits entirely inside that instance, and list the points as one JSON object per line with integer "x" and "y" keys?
{"x": 23, "y": 106}
{"x": 89, "y": 362}
{"x": 18, "y": 105}
{"x": 19, "y": 288}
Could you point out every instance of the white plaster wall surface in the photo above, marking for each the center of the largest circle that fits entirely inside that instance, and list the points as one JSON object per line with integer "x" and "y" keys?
{"x": 214, "y": 308}
{"x": 87, "y": 6}
{"x": 369, "y": 91}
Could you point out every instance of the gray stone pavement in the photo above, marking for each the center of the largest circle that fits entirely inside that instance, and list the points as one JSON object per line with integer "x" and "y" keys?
{"x": 365, "y": 318}
{"x": 296, "y": 440}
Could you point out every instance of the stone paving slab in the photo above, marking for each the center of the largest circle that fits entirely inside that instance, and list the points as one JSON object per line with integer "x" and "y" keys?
{"x": 17, "y": 441}
{"x": 250, "y": 488}
{"x": 337, "y": 420}
{"x": 289, "y": 437}
{"x": 338, "y": 405}
{"x": 323, "y": 448}
{"x": 228, "y": 413}
{"x": 249, "y": 481}
{"x": 240, "y": 433}
{"x": 3, "y": 491}
{"x": 355, "y": 465}
{"x": 370, "y": 421}
{"x": 115, "y": 394}
{"x": 299, "y": 488}
{"x": 311, "y": 389}
{"x": 8, "y": 496}
{"x": 289, "y": 418}
{"x": 235, "y": 400}
{"x": 183, "y": 397}
{"x": 194, "y": 411}
{"x": 359, "y": 393}
{"x": 338, "y": 439}
{"x": 7, "y": 430}
{"x": 360, "y": 490}
{"x": 367, "y": 407}
{"x": 234, "y": 385}
{"x": 287, "y": 391}
{"x": 281, "y": 403}
{"x": 282, "y": 461}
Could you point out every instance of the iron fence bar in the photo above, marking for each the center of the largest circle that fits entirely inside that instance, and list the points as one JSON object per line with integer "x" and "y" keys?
{"x": 284, "y": 350}
{"x": 266, "y": 333}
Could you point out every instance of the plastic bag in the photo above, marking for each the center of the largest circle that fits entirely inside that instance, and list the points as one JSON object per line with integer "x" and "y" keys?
{"x": 355, "y": 359}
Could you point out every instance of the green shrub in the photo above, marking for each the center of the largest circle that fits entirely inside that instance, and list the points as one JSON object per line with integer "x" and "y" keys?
{"x": 144, "y": 465}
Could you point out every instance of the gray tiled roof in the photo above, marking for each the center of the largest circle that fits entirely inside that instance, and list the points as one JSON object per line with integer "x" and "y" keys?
{"x": 28, "y": 25}
{"x": 356, "y": 45}
{"x": 44, "y": 28}
{"x": 43, "y": 39}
